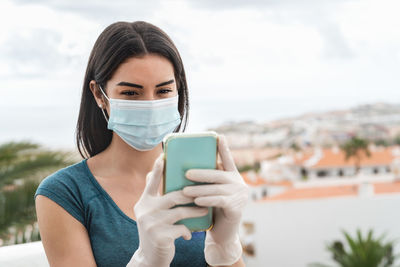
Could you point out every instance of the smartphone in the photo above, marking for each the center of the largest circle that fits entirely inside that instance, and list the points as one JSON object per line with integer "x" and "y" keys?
{"x": 184, "y": 151}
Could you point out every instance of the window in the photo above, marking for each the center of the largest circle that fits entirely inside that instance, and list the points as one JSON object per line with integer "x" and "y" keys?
{"x": 322, "y": 173}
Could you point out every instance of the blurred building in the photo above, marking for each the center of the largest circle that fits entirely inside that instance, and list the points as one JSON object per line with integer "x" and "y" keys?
{"x": 322, "y": 163}
{"x": 293, "y": 227}
{"x": 332, "y": 163}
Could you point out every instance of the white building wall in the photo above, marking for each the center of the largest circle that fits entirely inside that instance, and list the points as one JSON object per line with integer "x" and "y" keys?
{"x": 258, "y": 192}
{"x": 295, "y": 233}
{"x": 384, "y": 169}
{"x": 367, "y": 170}
{"x": 312, "y": 174}
{"x": 347, "y": 171}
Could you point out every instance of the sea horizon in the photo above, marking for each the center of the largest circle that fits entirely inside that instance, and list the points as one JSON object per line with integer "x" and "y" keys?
{"x": 53, "y": 126}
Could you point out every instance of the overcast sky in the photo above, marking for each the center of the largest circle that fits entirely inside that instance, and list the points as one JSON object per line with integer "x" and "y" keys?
{"x": 245, "y": 60}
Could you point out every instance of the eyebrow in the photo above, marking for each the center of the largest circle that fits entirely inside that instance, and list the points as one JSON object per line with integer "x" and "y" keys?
{"x": 141, "y": 86}
{"x": 165, "y": 83}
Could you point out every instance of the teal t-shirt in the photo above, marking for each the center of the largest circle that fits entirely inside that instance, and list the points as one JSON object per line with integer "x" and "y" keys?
{"x": 113, "y": 235}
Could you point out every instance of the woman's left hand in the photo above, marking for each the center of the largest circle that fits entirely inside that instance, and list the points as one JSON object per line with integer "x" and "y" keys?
{"x": 228, "y": 194}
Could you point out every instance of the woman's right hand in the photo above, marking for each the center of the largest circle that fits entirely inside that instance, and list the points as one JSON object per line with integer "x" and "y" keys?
{"x": 155, "y": 221}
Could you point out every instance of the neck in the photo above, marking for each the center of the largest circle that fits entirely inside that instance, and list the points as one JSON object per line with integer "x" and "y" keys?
{"x": 123, "y": 159}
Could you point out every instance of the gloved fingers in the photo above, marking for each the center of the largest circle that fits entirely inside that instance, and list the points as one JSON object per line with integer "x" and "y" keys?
{"x": 232, "y": 206}
{"x": 171, "y": 216}
{"x": 178, "y": 230}
{"x": 209, "y": 176}
{"x": 153, "y": 178}
{"x": 226, "y": 156}
{"x": 227, "y": 207}
{"x": 220, "y": 166}
{"x": 174, "y": 198}
{"x": 209, "y": 190}
{"x": 212, "y": 201}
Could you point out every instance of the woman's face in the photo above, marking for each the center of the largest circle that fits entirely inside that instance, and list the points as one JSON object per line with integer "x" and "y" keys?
{"x": 150, "y": 77}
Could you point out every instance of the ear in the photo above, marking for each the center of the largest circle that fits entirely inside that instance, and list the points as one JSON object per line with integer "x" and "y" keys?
{"x": 98, "y": 96}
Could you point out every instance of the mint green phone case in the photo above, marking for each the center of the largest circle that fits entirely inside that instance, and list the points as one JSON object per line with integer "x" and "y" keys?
{"x": 189, "y": 151}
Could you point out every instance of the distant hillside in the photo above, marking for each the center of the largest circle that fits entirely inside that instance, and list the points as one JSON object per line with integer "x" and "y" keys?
{"x": 378, "y": 122}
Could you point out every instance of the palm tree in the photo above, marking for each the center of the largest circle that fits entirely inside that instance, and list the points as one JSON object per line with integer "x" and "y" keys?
{"x": 22, "y": 166}
{"x": 362, "y": 251}
{"x": 356, "y": 148}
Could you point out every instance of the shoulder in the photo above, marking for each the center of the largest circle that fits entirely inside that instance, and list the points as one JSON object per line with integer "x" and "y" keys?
{"x": 74, "y": 178}
{"x": 70, "y": 187}
{"x": 61, "y": 209}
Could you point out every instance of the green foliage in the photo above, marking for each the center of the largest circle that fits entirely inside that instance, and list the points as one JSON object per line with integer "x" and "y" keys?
{"x": 10, "y": 151}
{"x": 295, "y": 147}
{"x": 355, "y": 148}
{"x": 18, "y": 205}
{"x": 245, "y": 168}
{"x": 255, "y": 167}
{"x": 361, "y": 251}
{"x": 382, "y": 142}
{"x": 397, "y": 140}
{"x": 20, "y": 160}
{"x": 22, "y": 166}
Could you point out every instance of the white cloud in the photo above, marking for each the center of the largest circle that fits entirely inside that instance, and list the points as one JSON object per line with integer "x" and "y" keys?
{"x": 311, "y": 54}
{"x": 39, "y": 41}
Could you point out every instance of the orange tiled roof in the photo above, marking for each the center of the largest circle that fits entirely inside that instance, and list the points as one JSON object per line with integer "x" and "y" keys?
{"x": 384, "y": 188}
{"x": 311, "y": 193}
{"x": 281, "y": 183}
{"x": 331, "y": 191}
{"x": 299, "y": 160}
{"x": 260, "y": 181}
{"x": 332, "y": 159}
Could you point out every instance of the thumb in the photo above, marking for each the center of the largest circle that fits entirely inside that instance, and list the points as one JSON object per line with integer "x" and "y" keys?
{"x": 153, "y": 178}
{"x": 226, "y": 156}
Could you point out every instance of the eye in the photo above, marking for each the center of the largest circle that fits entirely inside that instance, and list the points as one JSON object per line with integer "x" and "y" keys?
{"x": 129, "y": 93}
{"x": 164, "y": 91}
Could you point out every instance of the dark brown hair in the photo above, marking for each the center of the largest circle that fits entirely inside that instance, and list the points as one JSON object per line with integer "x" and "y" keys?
{"x": 117, "y": 43}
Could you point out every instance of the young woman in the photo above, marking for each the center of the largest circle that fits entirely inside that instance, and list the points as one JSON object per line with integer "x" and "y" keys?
{"x": 108, "y": 209}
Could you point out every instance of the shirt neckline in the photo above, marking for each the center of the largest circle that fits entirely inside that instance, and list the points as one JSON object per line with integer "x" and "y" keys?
{"x": 104, "y": 192}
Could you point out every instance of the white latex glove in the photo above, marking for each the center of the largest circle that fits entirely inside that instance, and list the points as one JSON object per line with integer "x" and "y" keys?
{"x": 155, "y": 221}
{"x": 229, "y": 195}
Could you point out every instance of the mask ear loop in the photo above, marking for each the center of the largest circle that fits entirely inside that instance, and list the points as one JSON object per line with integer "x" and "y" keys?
{"x": 101, "y": 106}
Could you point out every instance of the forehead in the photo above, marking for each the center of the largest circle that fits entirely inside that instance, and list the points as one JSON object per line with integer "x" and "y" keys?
{"x": 145, "y": 69}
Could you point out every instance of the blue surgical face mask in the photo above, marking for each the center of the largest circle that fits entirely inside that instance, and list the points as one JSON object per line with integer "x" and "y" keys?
{"x": 142, "y": 124}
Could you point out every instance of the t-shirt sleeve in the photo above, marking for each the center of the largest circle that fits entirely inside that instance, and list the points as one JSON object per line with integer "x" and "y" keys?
{"x": 62, "y": 189}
